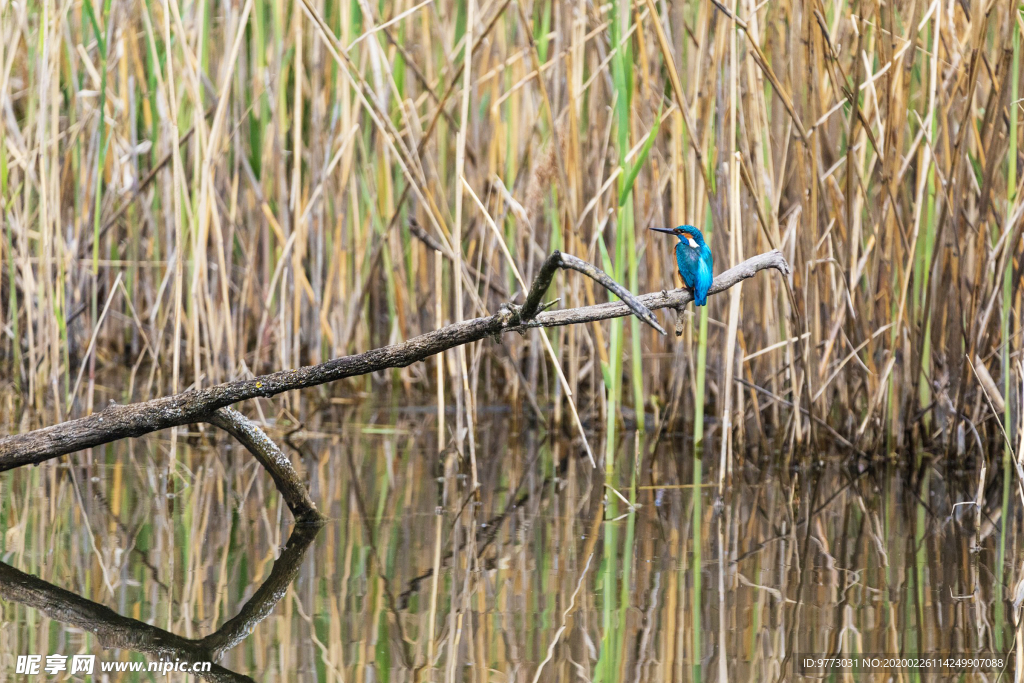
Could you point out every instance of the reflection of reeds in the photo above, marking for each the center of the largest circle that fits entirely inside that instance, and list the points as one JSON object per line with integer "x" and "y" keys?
{"x": 116, "y": 632}
{"x": 871, "y": 147}
{"x": 891, "y": 566}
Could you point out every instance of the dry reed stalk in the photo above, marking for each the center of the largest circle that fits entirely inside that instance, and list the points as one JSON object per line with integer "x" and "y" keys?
{"x": 735, "y": 254}
{"x": 441, "y": 441}
{"x": 547, "y": 342}
{"x": 460, "y": 165}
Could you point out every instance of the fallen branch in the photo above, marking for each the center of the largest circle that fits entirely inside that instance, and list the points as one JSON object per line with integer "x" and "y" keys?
{"x": 273, "y": 460}
{"x": 202, "y": 405}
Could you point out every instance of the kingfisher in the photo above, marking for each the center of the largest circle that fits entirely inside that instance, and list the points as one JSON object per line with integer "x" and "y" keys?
{"x": 693, "y": 256}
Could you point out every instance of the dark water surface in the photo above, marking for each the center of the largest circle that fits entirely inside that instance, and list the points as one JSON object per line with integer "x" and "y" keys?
{"x": 549, "y": 576}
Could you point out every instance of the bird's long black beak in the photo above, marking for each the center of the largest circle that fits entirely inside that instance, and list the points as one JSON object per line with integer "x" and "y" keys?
{"x": 669, "y": 231}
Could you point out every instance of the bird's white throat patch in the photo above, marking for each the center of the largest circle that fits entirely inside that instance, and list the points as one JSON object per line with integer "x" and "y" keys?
{"x": 693, "y": 243}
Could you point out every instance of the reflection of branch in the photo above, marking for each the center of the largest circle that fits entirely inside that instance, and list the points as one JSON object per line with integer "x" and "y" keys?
{"x": 197, "y": 405}
{"x": 266, "y": 597}
{"x": 115, "y": 631}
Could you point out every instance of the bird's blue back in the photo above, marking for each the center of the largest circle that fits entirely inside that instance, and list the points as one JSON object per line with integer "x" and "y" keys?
{"x": 695, "y": 267}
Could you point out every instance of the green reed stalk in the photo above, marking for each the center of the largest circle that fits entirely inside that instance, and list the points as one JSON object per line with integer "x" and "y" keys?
{"x": 888, "y": 571}
{"x": 261, "y": 113}
{"x": 624, "y": 597}
{"x": 920, "y": 564}
{"x": 104, "y": 141}
{"x": 544, "y": 28}
{"x": 101, "y": 160}
{"x": 624, "y": 238}
{"x": 384, "y": 654}
{"x": 926, "y": 247}
{"x": 627, "y": 563}
{"x": 605, "y": 670}
{"x": 1011, "y": 187}
{"x": 627, "y": 225}
{"x": 634, "y": 323}
{"x": 556, "y": 241}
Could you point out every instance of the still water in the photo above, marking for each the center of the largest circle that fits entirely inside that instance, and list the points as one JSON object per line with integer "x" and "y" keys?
{"x": 555, "y": 571}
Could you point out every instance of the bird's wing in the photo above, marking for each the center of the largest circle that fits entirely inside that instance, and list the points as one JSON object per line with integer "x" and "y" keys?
{"x": 688, "y": 260}
{"x": 704, "y": 271}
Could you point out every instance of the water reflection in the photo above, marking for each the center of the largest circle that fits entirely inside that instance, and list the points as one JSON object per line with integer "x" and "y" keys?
{"x": 555, "y": 571}
{"x": 113, "y": 631}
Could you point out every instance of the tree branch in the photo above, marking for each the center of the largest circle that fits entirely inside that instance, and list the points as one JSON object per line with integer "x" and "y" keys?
{"x": 198, "y": 405}
{"x": 568, "y": 261}
{"x": 273, "y": 460}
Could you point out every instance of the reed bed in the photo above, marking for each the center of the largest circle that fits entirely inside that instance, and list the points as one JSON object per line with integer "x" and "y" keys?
{"x": 198, "y": 192}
